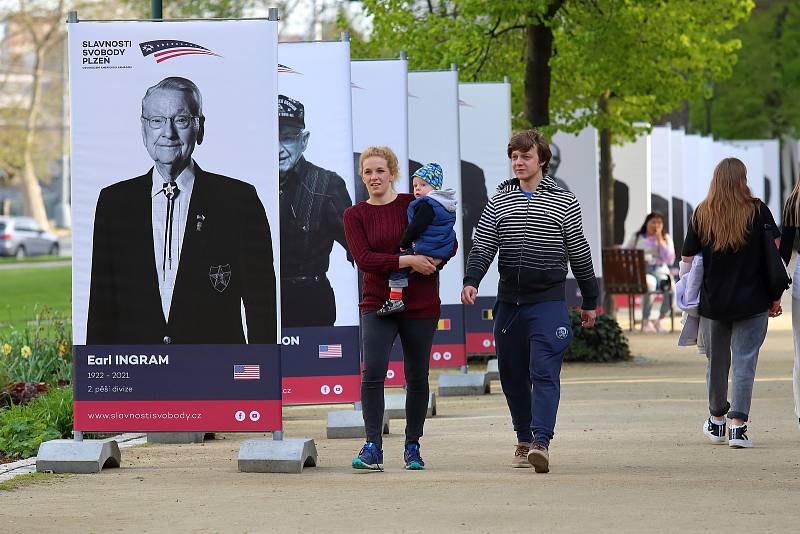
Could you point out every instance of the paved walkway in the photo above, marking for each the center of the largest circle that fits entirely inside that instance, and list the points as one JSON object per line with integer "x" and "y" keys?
{"x": 628, "y": 457}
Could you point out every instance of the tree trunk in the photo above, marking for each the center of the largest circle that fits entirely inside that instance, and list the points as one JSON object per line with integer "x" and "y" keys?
{"x": 29, "y": 184}
{"x": 539, "y": 50}
{"x": 606, "y": 195}
{"x": 537, "y": 74}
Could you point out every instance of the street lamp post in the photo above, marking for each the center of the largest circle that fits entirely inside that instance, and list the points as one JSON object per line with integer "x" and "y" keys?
{"x": 708, "y": 96}
{"x": 156, "y": 11}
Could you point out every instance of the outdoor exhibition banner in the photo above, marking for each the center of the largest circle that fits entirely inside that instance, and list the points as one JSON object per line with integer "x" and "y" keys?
{"x": 661, "y": 174}
{"x": 319, "y": 282}
{"x": 771, "y": 164}
{"x": 695, "y": 176}
{"x": 380, "y": 97}
{"x": 485, "y": 123}
{"x": 175, "y": 314}
{"x": 433, "y": 132}
{"x": 575, "y": 166}
{"x": 632, "y": 193}
{"x": 680, "y": 208}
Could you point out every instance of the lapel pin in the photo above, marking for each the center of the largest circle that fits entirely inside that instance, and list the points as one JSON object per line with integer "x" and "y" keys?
{"x": 200, "y": 219}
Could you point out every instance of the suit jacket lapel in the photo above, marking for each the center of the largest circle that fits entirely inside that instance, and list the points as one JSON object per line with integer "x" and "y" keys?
{"x": 143, "y": 229}
{"x": 193, "y": 240}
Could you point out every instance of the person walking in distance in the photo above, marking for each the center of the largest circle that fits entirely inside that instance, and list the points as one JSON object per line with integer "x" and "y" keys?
{"x": 536, "y": 227}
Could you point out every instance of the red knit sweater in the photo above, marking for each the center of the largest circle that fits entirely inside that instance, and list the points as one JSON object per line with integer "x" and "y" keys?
{"x": 373, "y": 234}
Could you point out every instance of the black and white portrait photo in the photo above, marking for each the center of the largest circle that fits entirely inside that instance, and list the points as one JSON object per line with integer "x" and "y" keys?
{"x": 179, "y": 249}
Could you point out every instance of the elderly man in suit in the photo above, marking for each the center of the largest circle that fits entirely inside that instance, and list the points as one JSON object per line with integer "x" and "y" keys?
{"x": 179, "y": 250}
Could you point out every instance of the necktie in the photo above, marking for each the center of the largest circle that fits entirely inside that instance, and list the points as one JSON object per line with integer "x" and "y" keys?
{"x": 171, "y": 192}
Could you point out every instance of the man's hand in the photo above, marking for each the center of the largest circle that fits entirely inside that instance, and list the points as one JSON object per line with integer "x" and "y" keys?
{"x": 468, "y": 294}
{"x": 775, "y": 309}
{"x": 587, "y": 318}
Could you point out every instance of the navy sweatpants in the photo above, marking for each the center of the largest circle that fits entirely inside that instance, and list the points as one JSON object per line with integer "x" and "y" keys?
{"x": 531, "y": 340}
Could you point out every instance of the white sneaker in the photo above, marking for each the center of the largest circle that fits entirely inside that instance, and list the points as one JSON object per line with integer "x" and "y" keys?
{"x": 714, "y": 432}
{"x": 737, "y": 437}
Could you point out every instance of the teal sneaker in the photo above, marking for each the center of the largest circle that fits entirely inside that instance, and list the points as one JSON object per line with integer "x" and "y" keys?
{"x": 370, "y": 457}
{"x": 412, "y": 457}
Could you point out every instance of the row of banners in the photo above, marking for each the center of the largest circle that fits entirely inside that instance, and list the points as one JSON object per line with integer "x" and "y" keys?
{"x": 196, "y": 250}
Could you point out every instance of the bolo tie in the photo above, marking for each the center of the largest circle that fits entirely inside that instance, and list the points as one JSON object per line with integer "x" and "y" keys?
{"x": 171, "y": 192}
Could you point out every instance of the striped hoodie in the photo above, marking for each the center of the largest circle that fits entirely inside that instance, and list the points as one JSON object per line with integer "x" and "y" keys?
{"x": 536, "y": 237}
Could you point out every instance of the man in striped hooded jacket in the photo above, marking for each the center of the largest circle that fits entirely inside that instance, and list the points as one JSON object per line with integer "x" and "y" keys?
{"x": 536, "y": 227}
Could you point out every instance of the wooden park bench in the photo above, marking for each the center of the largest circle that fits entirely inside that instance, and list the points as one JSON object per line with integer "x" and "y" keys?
{"x": 624, "y": 274}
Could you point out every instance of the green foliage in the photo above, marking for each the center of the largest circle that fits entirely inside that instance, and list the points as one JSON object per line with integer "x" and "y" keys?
{"x": 605, "y": 342}
{"x": 40, "y": 352}
{"x": 24, "y": 427}
{"x": 644, "y": 57}
{"x": 762, "y": 97}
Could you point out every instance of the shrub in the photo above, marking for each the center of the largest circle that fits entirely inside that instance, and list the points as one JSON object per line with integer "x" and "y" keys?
{"x": 24, "y": 428}
{"x": 605, "y": 342}
{"x": 40, "y": 352}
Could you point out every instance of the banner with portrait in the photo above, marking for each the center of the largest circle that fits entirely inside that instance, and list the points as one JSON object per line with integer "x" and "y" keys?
{"x": 175, "y": 220}
{"x": 771, "y": 154}
{"x": 485, "y": 124}
{"x": 380, "y": 118}
{"x": 575, "y": 166}
{"x": 660, "y": 174}
{"x": 433, "y": 136}
{"x": 632, "y": 175}
{"x": 319, "y": 282}
{"x": 681, "y": 211}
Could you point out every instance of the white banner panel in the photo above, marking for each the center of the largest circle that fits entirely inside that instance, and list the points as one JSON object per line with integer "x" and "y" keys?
{"x": 485, "y": 117}
{"x": 632, "y": 173}
{"x": 117, "y": 135}
{"x": 696, "y": 177}
{"x": 380, "y": 113}
{"x": 680, "y": 208}
{"x": 752, "y": 155}
{"x": 316, "y": 174}
{"x": 576, "y": 167}
{"x": 771, "y": 164}
{"x": 661, "y": 174}
{"x": 434, "y": 137}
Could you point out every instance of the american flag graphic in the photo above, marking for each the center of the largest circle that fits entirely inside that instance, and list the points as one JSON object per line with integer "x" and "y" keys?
{"x": 444, "y": 324}
{"x": 167, "y": 49}
{"x": 246, "y": 372}
{"x": 287, "y": 70}
{"x": 330, "y": 351}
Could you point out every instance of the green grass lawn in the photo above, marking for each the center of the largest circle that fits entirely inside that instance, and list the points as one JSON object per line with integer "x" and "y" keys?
{"x": 35, "y": 259}
{"x": 23, "y": 289}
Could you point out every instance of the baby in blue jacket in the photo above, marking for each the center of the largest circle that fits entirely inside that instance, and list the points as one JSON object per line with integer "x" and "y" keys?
{"x": 431, "y": 218}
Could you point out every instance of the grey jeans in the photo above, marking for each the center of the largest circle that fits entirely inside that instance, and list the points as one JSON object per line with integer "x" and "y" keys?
{"x": 732, "y": 344}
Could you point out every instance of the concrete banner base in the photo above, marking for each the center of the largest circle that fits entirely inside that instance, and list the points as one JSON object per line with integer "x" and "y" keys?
{"x": 395, "y": 404}
{"x": 178, "y": 437}
{"x": 271, "y": 456}
{"x": 452, "y": 385}
{"x": 492, "y": 371}
{"x": 347, "y": 424}
{"x": 81, "y": 457}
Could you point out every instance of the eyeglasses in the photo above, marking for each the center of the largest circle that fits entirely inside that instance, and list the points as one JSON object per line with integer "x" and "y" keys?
{"x": 289, "y": 138}
{"x": 181, "y": 122}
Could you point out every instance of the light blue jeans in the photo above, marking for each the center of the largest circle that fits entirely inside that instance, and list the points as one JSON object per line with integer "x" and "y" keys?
{"x": 736, "y": 344}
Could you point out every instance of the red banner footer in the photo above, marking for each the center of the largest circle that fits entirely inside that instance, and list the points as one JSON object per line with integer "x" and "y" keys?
{"x": 178, "y": 416}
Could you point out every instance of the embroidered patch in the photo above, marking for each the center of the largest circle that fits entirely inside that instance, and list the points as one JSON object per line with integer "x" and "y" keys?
{"x": 220, "y": 276}
{"x": 562, "y": 332}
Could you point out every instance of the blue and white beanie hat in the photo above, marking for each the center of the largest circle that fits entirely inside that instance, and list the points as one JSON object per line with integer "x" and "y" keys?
{"x": 432, "y": 174}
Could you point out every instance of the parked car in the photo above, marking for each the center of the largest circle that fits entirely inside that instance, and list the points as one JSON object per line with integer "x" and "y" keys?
{"x": 22, "y": 236}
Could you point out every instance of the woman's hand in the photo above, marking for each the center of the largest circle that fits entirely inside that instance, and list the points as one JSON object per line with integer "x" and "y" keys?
{"x": 775, "y": 309}
{"x": 421, "y": 264}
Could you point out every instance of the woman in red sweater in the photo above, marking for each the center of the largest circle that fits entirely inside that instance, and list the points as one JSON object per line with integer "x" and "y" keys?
{"x": 373, "y": 229}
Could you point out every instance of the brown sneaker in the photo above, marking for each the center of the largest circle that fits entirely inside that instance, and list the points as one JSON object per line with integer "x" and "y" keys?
{"x": 521, "y": 455}
{"x": 539, "y": 457}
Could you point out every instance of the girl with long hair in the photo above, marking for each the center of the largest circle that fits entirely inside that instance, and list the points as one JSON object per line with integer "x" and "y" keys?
{"x": 373, "y": 229}
{"x": 791, "y": 222}
{"x": 659, "y": 254}
{"x": 729, "y": 228}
